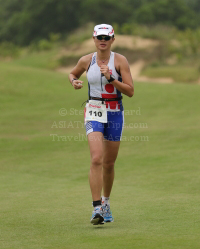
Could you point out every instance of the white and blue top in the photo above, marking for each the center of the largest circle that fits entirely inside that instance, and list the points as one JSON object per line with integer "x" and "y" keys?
{"x": 99, "y": 87}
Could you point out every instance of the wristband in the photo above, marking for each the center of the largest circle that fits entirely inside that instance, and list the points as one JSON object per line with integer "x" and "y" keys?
{"x": 111, "y": 78}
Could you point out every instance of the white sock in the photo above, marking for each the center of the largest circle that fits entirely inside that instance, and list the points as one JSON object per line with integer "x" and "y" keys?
{"x": 105, "y": 200}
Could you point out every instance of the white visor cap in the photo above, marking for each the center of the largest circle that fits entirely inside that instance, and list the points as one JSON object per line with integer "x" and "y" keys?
{"x": 103, "y": 29}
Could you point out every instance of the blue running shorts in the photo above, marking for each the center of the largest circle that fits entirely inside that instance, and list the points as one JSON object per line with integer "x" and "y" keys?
{"x": 112, "y": 130}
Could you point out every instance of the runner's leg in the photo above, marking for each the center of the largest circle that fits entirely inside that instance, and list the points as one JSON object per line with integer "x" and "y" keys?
{"x": 110, "y": 151}
{"x": 95, "y": 141}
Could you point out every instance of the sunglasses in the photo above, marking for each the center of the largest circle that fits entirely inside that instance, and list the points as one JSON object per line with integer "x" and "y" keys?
{"x": 105, "y": 37}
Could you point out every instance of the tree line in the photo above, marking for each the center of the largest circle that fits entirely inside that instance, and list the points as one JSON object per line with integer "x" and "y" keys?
{"x": 24, "y": 21}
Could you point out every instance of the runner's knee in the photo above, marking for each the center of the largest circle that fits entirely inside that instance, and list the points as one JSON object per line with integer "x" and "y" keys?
{"x": 96, "y": 160}
{"x": 108, "y": 166}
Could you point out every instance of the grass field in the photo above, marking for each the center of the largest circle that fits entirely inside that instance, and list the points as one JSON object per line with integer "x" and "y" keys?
{"x": 179, "y": 73}
{"x": 45, "y": 200}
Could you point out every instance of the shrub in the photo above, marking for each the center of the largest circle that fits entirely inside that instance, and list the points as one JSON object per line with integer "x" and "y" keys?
{"x": 53, "y": 37}
{"x": 190, "y": 41}
{"x": 8, "y": 49}
{"x": 126, "y": 29}
{"x": 40, "y": 45}
{"x": 44, "y": 44}
{"x": 80, "y": 35}
{"x": 68, "y": 60}
{"x": 158, "y": 31}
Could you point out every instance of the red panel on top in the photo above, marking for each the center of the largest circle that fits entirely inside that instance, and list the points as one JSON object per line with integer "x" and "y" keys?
{"x": 109, "y": 88}
{"x": 112, "y": 104}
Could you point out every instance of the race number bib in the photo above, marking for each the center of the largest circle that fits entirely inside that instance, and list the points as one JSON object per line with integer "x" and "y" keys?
{"x": 96, "y": 111}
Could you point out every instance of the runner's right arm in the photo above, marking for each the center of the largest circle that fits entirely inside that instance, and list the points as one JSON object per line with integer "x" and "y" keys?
{"x": 78, "y": 70}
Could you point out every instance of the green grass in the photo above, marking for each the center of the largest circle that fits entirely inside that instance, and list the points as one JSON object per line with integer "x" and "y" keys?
{"x": 38, "y": 59}
{"x": 179, "y": 73}
{"x": 45, "y": 199}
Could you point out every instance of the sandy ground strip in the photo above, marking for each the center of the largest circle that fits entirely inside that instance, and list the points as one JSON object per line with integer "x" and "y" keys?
{"x": 135, "y": 68}
{"x": 122, "y": 41}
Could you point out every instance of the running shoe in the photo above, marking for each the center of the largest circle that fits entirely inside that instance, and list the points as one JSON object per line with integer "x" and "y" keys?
{"x": 97, "y": 216}
{"x": 107, "y": 214}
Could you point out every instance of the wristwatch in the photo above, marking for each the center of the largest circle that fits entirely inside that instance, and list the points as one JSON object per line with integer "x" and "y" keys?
{"x": 112, "y": 78}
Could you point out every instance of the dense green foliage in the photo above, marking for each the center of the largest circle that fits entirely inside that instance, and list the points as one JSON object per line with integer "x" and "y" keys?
{"x": 22, "y": 21}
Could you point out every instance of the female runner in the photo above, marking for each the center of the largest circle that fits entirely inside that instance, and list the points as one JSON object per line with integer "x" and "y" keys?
{"x": 108, "y": 76}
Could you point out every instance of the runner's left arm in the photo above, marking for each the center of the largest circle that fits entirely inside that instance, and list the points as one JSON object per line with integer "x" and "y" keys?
{"x": 126, "y": 86}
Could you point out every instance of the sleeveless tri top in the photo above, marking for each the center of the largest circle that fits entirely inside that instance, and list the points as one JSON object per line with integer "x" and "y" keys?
{"x": 99, "y": 87}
